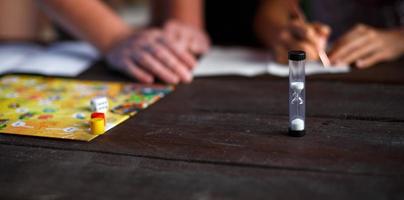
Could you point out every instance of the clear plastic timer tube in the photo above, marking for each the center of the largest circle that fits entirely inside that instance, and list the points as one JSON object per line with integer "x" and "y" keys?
{"x": 297, "y": 98}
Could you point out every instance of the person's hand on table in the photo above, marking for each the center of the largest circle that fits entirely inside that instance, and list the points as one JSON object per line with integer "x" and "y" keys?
{"x": 187, "y": 37}
{"x": 149, "y": 54}
{"x": 144, "y": 55}
{"x": 365, "y": 46}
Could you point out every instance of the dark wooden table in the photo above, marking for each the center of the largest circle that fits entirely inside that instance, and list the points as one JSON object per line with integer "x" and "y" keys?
{"x": 225, "y": 138}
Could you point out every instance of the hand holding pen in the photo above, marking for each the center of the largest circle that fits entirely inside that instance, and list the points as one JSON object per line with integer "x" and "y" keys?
{"x": 281, "y": 26}
{"x": 311, "y": 37}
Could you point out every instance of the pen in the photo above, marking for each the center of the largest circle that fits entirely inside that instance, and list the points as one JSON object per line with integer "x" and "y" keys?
{"x": 324, "y": 58}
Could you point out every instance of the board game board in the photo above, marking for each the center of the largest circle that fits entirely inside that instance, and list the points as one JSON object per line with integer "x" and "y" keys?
{"x": 60, "y": 108}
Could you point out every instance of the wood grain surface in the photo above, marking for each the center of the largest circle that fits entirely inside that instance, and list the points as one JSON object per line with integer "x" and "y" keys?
{"x": 225, "y": 138}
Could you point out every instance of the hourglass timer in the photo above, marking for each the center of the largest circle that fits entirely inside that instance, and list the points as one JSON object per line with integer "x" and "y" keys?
{"x": 297, "y": 93}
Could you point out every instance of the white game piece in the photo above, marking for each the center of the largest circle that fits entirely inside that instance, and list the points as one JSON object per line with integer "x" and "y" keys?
{"x": 99, "y": 104}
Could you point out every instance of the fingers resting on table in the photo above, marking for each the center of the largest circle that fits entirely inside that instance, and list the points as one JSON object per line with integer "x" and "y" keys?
{"x": 167, "y": 54}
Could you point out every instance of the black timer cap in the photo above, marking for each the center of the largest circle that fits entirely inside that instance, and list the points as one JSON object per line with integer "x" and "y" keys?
{"x": 297, "y": 55}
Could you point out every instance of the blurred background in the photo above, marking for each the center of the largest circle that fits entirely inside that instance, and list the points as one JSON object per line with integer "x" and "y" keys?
{"x": 23, "y": 20}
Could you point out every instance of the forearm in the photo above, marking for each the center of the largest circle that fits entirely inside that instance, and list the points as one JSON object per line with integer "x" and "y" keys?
{"x": 19, "y": 20}
{"x": 190, "y": 12}
{"x": 88, "y": 20}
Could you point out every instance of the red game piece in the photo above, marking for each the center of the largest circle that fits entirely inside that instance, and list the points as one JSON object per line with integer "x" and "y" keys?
{"x": 98, "y": 115}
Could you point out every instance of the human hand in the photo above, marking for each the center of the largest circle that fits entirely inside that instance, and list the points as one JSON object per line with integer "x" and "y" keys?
{"x": 309, "y": 37}
{"x": 148, "y": 54}
{"x": 280, "y": 25}
{"x": 366, "y": 46}
{"x": 187, "y": 37}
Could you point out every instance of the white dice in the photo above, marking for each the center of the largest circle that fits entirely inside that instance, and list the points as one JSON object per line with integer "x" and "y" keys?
{"x": 99, "y": 104}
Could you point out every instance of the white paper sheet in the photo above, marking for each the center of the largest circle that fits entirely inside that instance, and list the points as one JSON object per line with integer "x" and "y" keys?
{"x": 61, "y": 59}
{"x": 222, "y": 61}
{"x": 232, "y": 61}
{"x": 11, "y": 55}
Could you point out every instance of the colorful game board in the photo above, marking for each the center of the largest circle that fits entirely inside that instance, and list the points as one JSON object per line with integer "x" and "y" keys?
{"x": 60, "y": 108}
